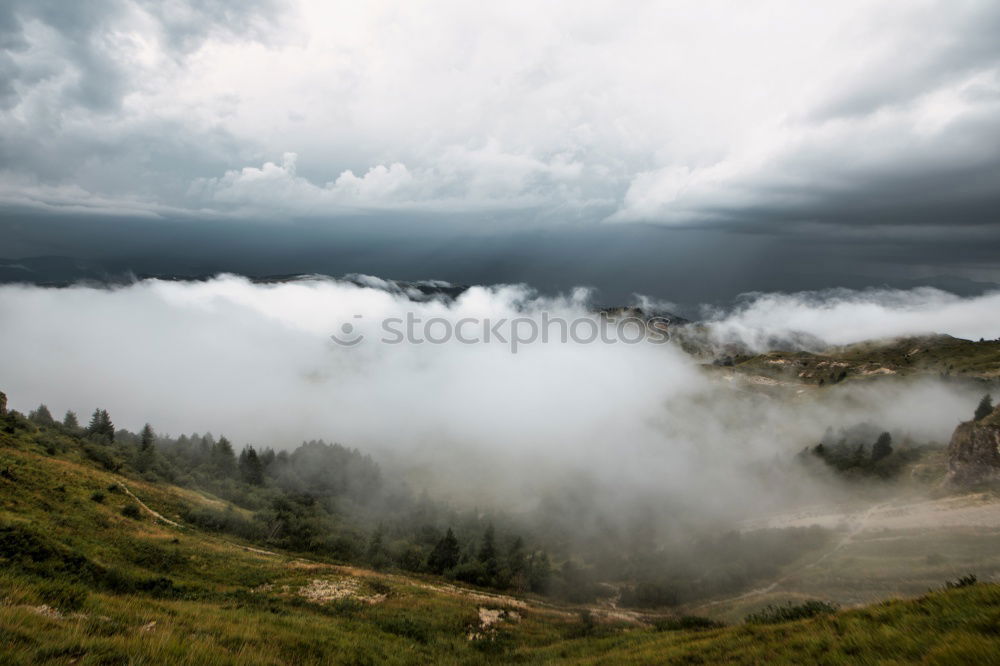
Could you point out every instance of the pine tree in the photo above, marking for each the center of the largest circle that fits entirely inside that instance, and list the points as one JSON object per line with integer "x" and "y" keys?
{"x": 488, "y": 550}
{"x": 539, "y": 572}
{"x": 985, "y": 407}
{"x": 223, "y": 458}
{"x": 70, "y": 420}
{"x": 100, "y": 424}
{"x": 488, "y": 556}
{"x": 376, "y": 554}
{"x": 251, "y": 469}
{"x": 147, "y": 437}
{"x": 267, "y": 457}
{"x": 517, "y": 565}
{"x": 41, "y": 416}
{"x": 445, "y": 554}
{"x": 882, "y": 447}
{"x": 147, "y": 451}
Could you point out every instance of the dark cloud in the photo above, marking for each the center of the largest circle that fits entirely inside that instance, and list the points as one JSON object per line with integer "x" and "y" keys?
{"x": 82, "y": 44}
{"x": 685, "y": 266}
{"x": 266, "y": 112}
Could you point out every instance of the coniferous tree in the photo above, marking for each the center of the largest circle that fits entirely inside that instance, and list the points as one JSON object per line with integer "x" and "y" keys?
{"x": 488, "y": 555}
{"x": 985, "y": 407}
{"x": 539, "y": 572}
{"x": 445, "y": 555}
{"x": 147, "y": 437}
{"x": 488, "y": 549}
{"x": 882, "y": 447}
{"x": 517, "y": 565}
{"x": 376, "y": 554}
{"x": 223, "y": 458}
{"x": 251, "y": 469}
{"x": 147, "y": 452}
{"x": 203, "y": 453}
{"x": 100, "y": 424}
{"x": 70, "y": 420}
{"x": 41, "y": 416}
{"x": 267, "y": 458}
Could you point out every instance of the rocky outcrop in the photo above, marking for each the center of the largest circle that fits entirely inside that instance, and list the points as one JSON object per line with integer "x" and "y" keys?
{"x": 974, "y": 451}
{"x": 3, "y": 403}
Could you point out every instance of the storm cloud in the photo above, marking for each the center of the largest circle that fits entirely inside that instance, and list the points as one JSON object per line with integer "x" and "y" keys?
{"x": 771, "y": 114}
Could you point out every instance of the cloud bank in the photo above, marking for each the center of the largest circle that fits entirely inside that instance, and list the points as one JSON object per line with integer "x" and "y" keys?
{"x": 255, "y": 362}
{"x": 842, "y": 316}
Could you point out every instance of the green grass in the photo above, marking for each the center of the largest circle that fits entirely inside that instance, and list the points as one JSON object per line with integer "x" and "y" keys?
{"x": 82, "y": 583}
{"x": 929, "y": 355}
{"x": 954, "y": 627}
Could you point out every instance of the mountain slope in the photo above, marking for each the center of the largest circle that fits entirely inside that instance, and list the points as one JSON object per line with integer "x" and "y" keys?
{"x": 99, "y": 568}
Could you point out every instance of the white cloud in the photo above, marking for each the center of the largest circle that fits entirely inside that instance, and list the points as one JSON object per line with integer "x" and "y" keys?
{"x": 843, "y": 316}
{"x": 673, "y": 112}
{"x": 255, "y": 362}
{"x": 462, "y": 180}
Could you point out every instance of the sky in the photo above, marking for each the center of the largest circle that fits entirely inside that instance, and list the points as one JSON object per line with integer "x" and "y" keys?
{"x": 655, "y": 147}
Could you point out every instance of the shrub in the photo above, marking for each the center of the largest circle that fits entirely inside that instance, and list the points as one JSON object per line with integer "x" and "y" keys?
{"x": 225, "y": 520}
{"x": 152, "y": 556}
{"x": 120, "y": 582}
{"x": 101, "y": 455}
{"x": 774, "y": 614}
{"x": 131, "y": 511}
{"x": 687, "y": 623}
{"x": 965, "y": 581}
{"x": 97, "y": 496}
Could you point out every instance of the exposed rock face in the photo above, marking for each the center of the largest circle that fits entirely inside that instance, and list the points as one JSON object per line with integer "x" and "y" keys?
{"x": 974, "y": 451}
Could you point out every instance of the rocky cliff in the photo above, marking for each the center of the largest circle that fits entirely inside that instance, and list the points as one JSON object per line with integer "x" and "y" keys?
{"x": 974, "y": 451}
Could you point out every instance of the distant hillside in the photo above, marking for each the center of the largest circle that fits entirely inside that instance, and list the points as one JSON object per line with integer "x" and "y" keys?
{"x": 938, "y": 355}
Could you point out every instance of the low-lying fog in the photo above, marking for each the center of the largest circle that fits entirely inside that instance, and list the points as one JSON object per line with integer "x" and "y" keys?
{"x": 256, "y": 362}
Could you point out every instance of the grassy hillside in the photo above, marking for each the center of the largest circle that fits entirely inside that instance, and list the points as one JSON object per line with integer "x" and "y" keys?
{"x": 938, "y": 355}
{"x": 98, "y": 568}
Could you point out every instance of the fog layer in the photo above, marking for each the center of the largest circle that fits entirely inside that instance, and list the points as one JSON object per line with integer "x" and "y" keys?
{"x": 256, "y": 362}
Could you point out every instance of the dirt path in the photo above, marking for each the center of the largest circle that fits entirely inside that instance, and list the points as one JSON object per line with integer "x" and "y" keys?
{"x": 856, "y": 528}
{"x": 142, "y": 504}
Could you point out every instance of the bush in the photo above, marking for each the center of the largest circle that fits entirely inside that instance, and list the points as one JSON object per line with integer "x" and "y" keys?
{"x": 158, "y": 558}
{"x": 964, "y": 581}
{"x": 120, "y": 582}
{"x": 97, "y": 496}
{"x": 103, "y": 456}
{"x": 132, "y": 511}
{"x": 23, "y": 549}
{"x": 774, "y": 614}
{"x": 687, "y": 623}
{"x": 226, "y": 520}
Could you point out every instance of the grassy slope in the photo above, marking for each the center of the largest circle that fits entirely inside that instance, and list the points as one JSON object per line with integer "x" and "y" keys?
{"x": 930, "y": 355}
{"x": 229, "y": 604}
